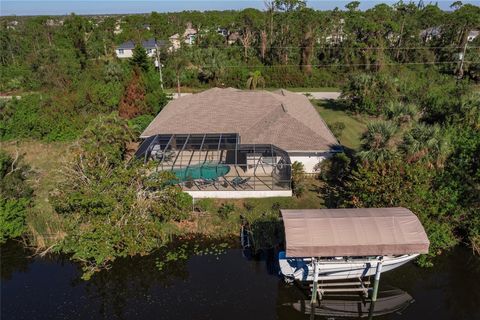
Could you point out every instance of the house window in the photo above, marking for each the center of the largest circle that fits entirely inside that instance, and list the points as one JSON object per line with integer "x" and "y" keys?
{"x": 120, "y": 51}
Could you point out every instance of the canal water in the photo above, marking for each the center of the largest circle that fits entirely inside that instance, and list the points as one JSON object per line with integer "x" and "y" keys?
{"x": 225, "y": 286}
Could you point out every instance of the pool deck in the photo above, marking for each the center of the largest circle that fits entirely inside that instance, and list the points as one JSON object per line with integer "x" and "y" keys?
{"x": 257, "y": 179}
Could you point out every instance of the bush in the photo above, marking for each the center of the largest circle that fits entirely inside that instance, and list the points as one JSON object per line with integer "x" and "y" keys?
{"x": 15, "y": 196}
{"x": 401, "y": 112}
{"x": 140, "y": 123}
{"x": 337, "y": 128}
{"x": 113, "y": 209}
{"x": 40, "y": 117}
{"x": 206, "y": 205}
{"x": 298, "y": 179}
{"x": 225, "y": 210}
{"x": 369, "y": 93}
{"x": 12, "y": 217}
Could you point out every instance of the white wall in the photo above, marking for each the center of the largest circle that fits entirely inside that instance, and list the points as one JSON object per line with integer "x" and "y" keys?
{"x": 128, "y": 53}
{"x": 240, "y": 194}
{"x": 309, "y": 159}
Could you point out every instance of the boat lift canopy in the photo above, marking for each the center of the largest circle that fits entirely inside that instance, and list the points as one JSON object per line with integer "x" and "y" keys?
{"x": 353, "y": 232}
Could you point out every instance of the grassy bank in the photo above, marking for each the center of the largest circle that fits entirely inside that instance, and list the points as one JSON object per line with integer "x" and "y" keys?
{"x": 44, "y": 159}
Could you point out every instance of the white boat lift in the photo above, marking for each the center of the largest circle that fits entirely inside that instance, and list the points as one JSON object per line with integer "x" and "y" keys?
{"x": 348, "y": 246}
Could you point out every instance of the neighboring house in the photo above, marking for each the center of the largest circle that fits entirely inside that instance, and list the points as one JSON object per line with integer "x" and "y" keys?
{"x": 230, "y": 143}
{"x": 189, "y": 36}
{"x": 233, "y": 37}
{"x": 337, "y": 36}
{"x": 430, "y": 33}
{"x": 223, "y": 32}
{"x": 12, "y": 24}
{"x": 472, "y": 35}
{"x": 54, "y": 23}
{"x": 118, "y": 28}
{"x": 125, "y": 50}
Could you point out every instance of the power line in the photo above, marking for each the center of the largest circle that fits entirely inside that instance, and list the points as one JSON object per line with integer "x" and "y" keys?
{"x": 335, "y": 47}
{"x": 335, "y": 65}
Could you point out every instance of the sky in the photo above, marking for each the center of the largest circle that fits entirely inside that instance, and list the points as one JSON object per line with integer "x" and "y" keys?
{"x": 62, "y": 7}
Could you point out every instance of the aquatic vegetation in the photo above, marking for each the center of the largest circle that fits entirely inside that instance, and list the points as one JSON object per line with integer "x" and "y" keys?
{"x": 182, "y": 252}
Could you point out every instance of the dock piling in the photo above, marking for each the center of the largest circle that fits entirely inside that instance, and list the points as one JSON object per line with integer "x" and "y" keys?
{"x": 315, "y": 282}
{"x": 376, "y": 281}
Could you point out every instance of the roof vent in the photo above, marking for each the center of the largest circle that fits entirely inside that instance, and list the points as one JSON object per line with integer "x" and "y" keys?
{"x": 283, "y": 107}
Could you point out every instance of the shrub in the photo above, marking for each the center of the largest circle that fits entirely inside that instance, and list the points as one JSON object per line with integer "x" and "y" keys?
{"x": 113, "y": 209}
{"x": 368, "y": 93}
{"x": 225, "y": 210}
{"x": 337, "y": 128}
{"x": 140, "y": 123}
{"x": 15, "y": 196}
{"x": 401, "y": 112}
{"x": 298, "y": 179}
{"x": 206, "y": 205}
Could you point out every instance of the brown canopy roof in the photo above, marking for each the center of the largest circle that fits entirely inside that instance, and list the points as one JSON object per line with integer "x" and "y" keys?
{"x": 353, "y": 232}
{"x": 282, "y": 118}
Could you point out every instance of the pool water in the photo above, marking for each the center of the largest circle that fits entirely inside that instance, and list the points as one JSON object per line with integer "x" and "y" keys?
{"x": 201, "y": 171}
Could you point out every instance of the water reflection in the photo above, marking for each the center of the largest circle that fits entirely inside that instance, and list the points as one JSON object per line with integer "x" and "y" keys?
{"x": 227, "y": 286}
{"x": 389, "y": 301}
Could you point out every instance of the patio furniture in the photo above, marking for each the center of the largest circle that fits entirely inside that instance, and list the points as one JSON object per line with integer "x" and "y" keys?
{"x": 239, "y": 182}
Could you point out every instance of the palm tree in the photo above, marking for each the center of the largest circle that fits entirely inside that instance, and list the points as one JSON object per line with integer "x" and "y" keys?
{"x": 377, "y": 141}
{"x": 425, "y": 143}
{"x": 255, "y": 79}
{"x": 401, "y": 113}
{"x": 179, "y": 63}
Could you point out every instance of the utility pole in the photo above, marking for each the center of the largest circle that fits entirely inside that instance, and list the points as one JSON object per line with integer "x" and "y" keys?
{"x": 159, "y": 64}
{"x": 462, "y": 59}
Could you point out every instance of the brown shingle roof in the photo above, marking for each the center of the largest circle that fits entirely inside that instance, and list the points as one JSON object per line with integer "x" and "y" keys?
{"x": 285, "y": 119}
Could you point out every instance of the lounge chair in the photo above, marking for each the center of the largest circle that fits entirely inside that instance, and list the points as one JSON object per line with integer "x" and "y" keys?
{"x": 239, "y": 182}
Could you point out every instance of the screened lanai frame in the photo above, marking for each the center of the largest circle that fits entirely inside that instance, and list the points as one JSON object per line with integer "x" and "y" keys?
{"x": 218, "y": 162}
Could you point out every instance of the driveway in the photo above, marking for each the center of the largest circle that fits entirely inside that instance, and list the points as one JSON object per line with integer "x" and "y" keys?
{"x": 322, "y": 95}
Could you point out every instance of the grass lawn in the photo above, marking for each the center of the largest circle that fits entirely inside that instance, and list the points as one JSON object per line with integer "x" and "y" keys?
{"x": 45, "y": 161}
{"x": 310, "y": 199}
{"x": 332, "y": 111}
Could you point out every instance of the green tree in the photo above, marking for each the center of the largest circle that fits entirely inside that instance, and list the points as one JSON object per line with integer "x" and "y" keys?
{"x": 140, "y": 58}
{"x": 352, "y": 6}
{"x": 369, "y": 93}
{"x": 255, "y": 79}
{"x": 298, "y": 179}
{"x": 425, "y": 143}
{"x": 15, "y": 196}
{"x": 113, "y": 208}
{"x": 179, "y": 63}
{"x": 377, "y": 142}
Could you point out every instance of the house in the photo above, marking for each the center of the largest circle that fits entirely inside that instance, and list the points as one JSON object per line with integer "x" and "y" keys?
{"x": 54, "y": 23}
{"x": 189, "y": 36}
{"x": 233, "y": 37}
{"x": 125, "y": 50}
{"x": 12, "y": 24}
{"x": 472, "y": 35}
{"x": 230, "y": 143}
{"x": 337, "y": 35}
{"x": 431, "y": 33}
{"x": 223, "y": 32}
{"x": 118, "y": 28}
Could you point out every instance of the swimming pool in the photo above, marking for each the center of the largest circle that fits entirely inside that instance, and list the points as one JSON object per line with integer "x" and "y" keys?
{"x": 201, "y": 171}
